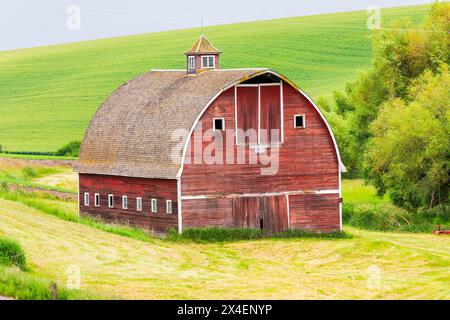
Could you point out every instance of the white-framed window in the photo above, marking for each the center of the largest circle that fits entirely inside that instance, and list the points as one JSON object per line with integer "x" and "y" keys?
{"x": 86, "y": 199}
{"x": 299, "y": 121}
{"x": 110, "y": 201}
{"x": 169, "y": 206}
{"x": 219, "y": 124}
{"x": 208, "y": 62}
{"x": 138, "y": 204}
{"x": 154, "y": 206}
{"x": 124, "y": 202}
{"x": 191, "y": 62}
{"x": 97, "y": 200}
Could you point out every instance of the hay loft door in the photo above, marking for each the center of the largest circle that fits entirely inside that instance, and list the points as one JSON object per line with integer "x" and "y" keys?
{"x": 267, "y": 213}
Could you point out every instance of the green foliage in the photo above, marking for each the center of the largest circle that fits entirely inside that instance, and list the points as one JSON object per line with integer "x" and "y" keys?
{"x": 215, "y": 234}
{"x": 386, "y": 217}
{"x": 408, "y": 156}
{"x": 401, "y": 54}
{"x": 320, "y": 53}
{"x": 323, "y": 104}
{"x": 343, "y": 106}
{"x": 342, "y": 133}
{"x": 72, "y": 149}
{"x": 29, "y": 173}
{"x": 26, "y": 286}
{"x": 12, "y": 254}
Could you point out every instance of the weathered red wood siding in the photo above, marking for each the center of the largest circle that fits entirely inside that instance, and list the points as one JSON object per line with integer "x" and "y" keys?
{"x": 308, "y": 161}
{"x": 146, "y": 189}
{"x": 314, "y": 212}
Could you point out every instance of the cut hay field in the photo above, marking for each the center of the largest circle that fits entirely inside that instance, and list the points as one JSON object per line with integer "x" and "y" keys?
{"x": 371, "y": 265}
{"x": 124, "y": 263}
{"x": 48, "y": 94}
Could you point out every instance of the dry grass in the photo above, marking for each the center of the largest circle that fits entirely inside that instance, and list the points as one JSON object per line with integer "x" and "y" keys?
{"x": 411, "y": 265}
{"x": 65, "y": 179}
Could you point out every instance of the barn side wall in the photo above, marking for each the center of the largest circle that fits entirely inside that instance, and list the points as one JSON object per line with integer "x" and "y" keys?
{"x": 146, "y": 189}
{"x": 308, "y": 163}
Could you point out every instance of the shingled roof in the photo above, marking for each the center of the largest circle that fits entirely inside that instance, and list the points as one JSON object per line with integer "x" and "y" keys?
{"x": 131, "y": 132}
{"x": 203, "y": 46}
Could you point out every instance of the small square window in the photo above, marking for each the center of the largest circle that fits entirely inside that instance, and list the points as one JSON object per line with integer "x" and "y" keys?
{"x": 124, "y": 202}
{"x": 97, "y": 200}
{"x": 169, "y": 206}
{"x": 299, "y": 121}
{"x": 138, "y": 204}
{"x": 110, "y": 201}
{"x": 208, "y": 62}
{"x": 86, "y": 199}
{"x": 219, "y": 124}
{"x": 154, "y": 206}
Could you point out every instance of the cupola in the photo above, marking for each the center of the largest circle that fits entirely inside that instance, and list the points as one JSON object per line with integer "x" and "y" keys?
{"x": 202, "y": 56}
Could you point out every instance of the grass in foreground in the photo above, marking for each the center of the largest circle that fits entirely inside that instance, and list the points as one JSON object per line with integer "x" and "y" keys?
{"x": 11, "y": 254}
{"x": 408, "y": 266}
{"x": 52, "y": 103}
{"x": 18, "y": 282}
{"x": 25, "y": 286}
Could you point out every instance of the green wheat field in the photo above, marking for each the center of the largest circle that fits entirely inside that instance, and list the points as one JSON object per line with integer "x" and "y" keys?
{"x": 49, "y": 94}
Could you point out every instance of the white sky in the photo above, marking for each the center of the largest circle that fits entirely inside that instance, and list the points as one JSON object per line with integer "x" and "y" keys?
{"x": 29, "y": 23}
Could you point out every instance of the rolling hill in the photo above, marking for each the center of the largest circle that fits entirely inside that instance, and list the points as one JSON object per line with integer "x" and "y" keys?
{"x": 48, "y": 94}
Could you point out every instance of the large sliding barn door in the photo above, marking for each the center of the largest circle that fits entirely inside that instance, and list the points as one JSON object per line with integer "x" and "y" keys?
{"x": 267, "y": 213}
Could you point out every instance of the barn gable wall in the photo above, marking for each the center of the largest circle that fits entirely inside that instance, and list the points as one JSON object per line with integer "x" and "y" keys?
{"x": 147, "y": 189}
{"x": 308, "y": 162}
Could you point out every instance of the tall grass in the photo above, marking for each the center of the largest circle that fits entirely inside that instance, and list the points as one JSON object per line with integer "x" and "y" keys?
{"x": 387, "y": 217}
{"x": 26, "y": 286}
{"x": 12, "y": 254}
{"x": 216, "y": 234}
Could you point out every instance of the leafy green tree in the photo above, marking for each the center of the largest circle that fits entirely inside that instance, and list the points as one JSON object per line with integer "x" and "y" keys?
{"x": 401, "y": 54}
{"x": 409, "y": 154}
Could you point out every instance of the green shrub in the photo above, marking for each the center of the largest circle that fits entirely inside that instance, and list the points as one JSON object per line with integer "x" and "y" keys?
{"x": 12, "y": 254}
{"x": 214, "y": 234}
{"x": 72, "y": 149}
{"x": 387, "y": 217}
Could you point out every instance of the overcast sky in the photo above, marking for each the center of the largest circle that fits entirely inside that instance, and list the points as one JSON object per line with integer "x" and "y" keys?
{"x": 29, "y": 23}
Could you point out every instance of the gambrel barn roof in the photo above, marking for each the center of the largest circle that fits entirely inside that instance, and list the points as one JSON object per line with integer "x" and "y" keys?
{"x": 131, "y": 133}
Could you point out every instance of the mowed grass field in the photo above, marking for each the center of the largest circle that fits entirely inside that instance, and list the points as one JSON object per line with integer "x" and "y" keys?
{"x": 371, "y": 265}
{"x": 366, "y": 265}
{"x": 49, "y": 94}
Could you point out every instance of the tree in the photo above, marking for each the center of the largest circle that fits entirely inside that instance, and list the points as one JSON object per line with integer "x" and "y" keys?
{"x": 401, "y": 54}
{"x": 409, "y": 154}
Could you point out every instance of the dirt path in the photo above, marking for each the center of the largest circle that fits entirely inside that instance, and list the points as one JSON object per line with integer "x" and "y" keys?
{"x": 60, "y": 195}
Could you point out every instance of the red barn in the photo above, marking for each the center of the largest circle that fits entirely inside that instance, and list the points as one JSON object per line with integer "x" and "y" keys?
{"x": 208, "y": 146}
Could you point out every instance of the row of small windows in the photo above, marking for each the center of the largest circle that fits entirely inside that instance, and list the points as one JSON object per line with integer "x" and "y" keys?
{"x": 154, "y": 203}
{"x": 299, "y": 122}
{"x": 207, "y": 62}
